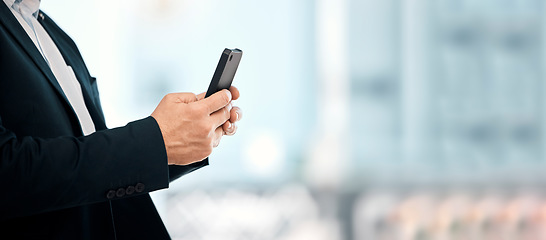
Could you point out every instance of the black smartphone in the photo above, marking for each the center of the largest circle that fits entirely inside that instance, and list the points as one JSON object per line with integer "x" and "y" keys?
{"x": 225, "y": 71}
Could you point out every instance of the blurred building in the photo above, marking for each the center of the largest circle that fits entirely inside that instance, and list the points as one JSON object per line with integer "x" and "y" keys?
{"x": 393, "y": 119}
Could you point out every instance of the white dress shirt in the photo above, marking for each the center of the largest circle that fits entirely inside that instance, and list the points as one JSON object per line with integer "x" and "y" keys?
{"x": 26, "y": 12}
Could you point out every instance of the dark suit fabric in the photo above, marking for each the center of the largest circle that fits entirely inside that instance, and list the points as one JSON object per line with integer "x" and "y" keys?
{"x": 56, "y": 183}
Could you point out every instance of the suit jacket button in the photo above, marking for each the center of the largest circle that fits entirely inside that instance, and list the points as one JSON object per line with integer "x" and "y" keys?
{"x": 139, "y": 187}
{"x": 111, "y": 194}
{"x": 130, "y": 190}
{"x": 120, "y": 192}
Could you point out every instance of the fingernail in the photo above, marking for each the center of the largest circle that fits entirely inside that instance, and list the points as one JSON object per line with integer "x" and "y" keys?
{"x": 237, "y": 115}
{"x": 229, "y": 94}
{"x": 229, "y": 125}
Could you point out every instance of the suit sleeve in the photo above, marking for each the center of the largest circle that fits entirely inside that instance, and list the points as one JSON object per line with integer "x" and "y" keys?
{"x": 41, "y": 175}
{"x": 176, "y": 171}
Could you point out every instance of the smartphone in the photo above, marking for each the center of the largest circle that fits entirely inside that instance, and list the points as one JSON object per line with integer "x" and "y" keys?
{"x": 225, "y": 71}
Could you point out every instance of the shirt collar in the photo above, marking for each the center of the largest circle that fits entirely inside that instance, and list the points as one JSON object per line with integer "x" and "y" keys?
{"x": 9, "y": 2}
{"x": 32, "y": 5}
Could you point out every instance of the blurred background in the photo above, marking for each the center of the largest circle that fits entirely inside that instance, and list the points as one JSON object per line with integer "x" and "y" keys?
{"x": 363, "y": 119}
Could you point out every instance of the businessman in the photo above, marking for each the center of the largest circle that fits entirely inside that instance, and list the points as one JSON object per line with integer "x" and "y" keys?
{"x": 63, "y": 174}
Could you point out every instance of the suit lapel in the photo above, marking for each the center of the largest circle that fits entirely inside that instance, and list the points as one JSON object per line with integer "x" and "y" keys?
{"x": 13, "y": 26}
{"x": 10, "y": 22}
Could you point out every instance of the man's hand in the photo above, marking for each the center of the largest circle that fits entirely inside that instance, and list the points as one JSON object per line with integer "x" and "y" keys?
{"x": 235, "y": 114}
{"x": 193, "y": 126}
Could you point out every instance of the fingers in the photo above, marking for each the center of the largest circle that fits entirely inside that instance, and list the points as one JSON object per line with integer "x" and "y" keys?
{"x": 216, "y": 101}
{"x": 181, "y": 97}
{"x": 229, "y": 128}
{"x": 221, "y": 116}
{"x": 236, "y": 114}
{"x": 200, "y": 96}
{"x": 234, "y": 92}
{"x": 218, "y": 133}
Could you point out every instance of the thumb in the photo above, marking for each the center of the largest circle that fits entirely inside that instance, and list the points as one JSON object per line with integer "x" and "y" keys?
{"x": 217, "y": 101}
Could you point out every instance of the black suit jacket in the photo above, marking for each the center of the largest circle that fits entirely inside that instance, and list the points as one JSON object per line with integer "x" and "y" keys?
{"x": 56, "y": 183}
